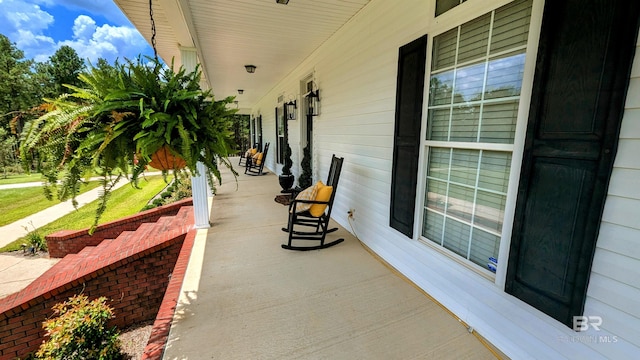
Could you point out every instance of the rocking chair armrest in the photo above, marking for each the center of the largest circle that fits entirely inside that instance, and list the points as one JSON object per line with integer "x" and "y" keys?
{"x": 309, "y": 202}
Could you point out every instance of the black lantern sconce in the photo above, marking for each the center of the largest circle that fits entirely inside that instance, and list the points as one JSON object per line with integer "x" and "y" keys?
{"x": 313, "y": 102}
{"x": 290, "y": 109}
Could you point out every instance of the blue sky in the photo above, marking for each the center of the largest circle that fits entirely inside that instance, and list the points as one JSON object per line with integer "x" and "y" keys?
{"x": 94, "y": 28}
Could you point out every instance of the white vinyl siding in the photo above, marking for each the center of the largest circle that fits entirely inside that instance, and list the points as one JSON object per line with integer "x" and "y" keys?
{"x": 614, "y": 287}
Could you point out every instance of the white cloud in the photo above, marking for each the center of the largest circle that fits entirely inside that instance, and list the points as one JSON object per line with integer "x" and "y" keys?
{"x": 106, "y": 41}
{"x": 24, "y": 24}
{"x": 83, "y": 27}
{"x": 27, "y": 24}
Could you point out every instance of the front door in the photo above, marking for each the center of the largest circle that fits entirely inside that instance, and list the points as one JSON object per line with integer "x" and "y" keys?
{"x": 582, "y": 73}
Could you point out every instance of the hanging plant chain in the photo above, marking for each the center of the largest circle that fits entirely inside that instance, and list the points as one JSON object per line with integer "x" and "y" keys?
{"x": 153, "y": 30}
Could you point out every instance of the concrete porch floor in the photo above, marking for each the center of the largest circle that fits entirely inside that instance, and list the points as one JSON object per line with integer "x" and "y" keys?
{"x": 244, "y": 297}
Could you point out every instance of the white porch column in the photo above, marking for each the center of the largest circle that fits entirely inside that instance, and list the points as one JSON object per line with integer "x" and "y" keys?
{"x": 199, "y": 190}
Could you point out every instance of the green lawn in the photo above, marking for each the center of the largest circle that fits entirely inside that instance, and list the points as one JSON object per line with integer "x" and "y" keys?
{"x": 20, "y": 178}
{"x": 124, "y": 201}
{"x": 19, "y": 203}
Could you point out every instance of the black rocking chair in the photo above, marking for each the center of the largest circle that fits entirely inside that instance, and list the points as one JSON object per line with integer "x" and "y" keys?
{"x": 320, "y": 223}
{"x": 243, "y": 156}
{"x": 254, "y": 167}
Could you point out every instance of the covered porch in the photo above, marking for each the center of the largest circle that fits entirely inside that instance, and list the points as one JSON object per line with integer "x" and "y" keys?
{"x": 244, "y": 297}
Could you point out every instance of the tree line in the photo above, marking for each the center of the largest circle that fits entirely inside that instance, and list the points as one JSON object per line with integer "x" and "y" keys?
{"x": 24, "y": 84}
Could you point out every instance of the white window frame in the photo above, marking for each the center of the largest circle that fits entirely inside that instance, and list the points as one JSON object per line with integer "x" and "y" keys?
{"x": 453, "y": 18}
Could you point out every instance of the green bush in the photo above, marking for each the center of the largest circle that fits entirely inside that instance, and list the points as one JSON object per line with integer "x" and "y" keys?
{"x": 166, "y": 194}
{"x": 79, "y": 331}
{"x": 158, "y": 202}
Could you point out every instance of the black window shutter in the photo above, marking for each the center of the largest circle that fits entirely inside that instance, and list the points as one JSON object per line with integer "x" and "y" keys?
{"x": 582, "y": 72}
{"x": 406, "y": 144}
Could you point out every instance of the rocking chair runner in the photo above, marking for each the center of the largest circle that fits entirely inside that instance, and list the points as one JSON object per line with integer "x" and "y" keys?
{"x": 306, "y": 218}
{"x": 255, "y": 164}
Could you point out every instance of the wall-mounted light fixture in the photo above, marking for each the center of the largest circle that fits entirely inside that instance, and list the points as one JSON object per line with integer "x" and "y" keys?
{"x": 313, "y": 102}
{"x": 250, "y": 68}
{"x": 240, "y": 91}
{"x": 290, "y": 109}
{"x": 283, "y": 2}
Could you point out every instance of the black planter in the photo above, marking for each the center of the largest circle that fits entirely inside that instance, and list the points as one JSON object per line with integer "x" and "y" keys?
{"x": 286, "y": 182}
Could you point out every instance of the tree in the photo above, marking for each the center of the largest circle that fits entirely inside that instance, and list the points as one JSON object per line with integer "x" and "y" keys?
{"x": 15, "y": 82}
{"x": 7, "y": 154}
{"x": 64, "y": 67}
{"x": 305, "y": 178}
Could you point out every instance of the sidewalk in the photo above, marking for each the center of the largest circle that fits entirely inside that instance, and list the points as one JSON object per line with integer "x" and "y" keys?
{"x": 18, "y": 270}
{"x": 11, "y": 232}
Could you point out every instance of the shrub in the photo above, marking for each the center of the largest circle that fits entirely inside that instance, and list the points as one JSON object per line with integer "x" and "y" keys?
{"x": 36, "y": 240}
{"x": 166, "y": 194}
{"x": 147, "y": 207}
{"x": 79, "y": 331}
{"x": 157, "y": 202}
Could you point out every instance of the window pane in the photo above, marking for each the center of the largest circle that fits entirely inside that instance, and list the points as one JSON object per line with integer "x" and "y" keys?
{"x": 483, "y": 246}
{"x": 489, "y": 211}
{"x": 504, "y": 76}
{"x": 494, "y": 171}
{"x": 439, "y": 163}
{"x": 476, "y": 81}
{"x": 464, "y": 123}
{"x": 444, "y": 50}
{"x": 456, "y": 237}
{"x": 474, "y": 39}
{"x": 460, "y": 202}
{"x": 432, "y": 226}
{"x": 438, "y": 125}
{"x": 464, "y": 166}
{"x": 511, "y": 26}
{"x": 440, "y": 88}
{"x": 436, "y": 195}
{"x": 469, "y": 83}
{"x": 443, "y": 6}
{"x": 499, "y": 122}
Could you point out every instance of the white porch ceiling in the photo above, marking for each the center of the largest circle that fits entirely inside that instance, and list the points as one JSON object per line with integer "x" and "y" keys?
{"x": 229, "y": 34}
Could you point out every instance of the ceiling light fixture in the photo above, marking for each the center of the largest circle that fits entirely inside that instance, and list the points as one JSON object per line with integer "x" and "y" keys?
{"x": 283, "y": 2}
{"x": 250, "y": 68}
{"x": 240, "y": 91}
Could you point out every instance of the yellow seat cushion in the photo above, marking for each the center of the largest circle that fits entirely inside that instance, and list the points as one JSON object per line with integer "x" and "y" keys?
{"x": 323, "y": 194}
{"x": 306, "y": 194}
{"x": 257, "y": 158}
{"x": 253, "y": 151}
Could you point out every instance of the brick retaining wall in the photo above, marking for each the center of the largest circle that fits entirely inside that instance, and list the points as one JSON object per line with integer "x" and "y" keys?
{"x": 66, "y": 242}
{"x": 140, "y": 272}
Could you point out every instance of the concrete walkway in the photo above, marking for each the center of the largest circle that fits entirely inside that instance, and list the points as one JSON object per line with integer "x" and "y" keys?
{"x": 18, "y": 270}
{"x": 11, "y": 232}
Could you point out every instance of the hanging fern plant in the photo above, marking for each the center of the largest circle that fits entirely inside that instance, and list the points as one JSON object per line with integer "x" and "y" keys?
{"x": 118, "y": 120}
